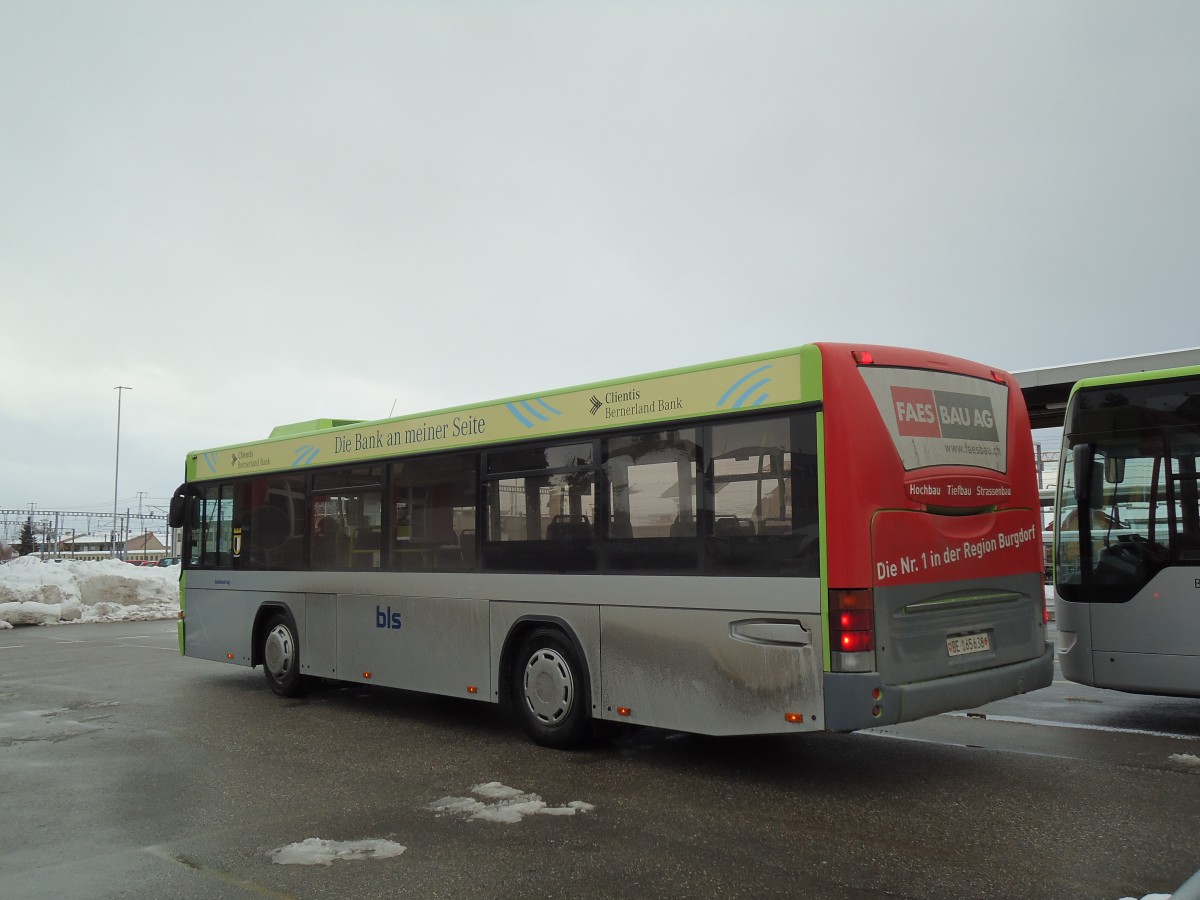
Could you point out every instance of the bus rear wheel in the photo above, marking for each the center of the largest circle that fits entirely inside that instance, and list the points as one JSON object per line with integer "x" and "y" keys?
{"x": 550, "y": 690}
{"x": 281, "y": 656}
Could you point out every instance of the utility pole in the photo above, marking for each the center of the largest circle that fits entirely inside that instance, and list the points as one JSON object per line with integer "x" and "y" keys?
{"x": 117, "y": 468}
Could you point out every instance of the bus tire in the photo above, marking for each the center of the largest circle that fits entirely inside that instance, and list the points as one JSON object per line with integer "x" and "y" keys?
{"x": 281, "y": 656}
{"x": 550, "y": 691}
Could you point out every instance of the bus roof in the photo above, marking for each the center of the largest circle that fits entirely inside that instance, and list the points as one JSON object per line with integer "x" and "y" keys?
{"x": 311, "y": 425}
{"x": 1137, "y": 377}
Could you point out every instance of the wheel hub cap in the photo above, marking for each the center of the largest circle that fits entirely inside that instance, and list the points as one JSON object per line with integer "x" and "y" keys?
{"x": 279, "y": 651}
{"x": 549, "y": 686}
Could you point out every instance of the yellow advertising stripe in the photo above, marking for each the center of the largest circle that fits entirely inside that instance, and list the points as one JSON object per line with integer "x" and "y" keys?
{"x": 761, "y": 382}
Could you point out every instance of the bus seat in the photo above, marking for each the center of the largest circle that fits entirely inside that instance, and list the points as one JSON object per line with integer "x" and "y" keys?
{"x": 566, "y": 528}
{"x": 775, "y": 526}
{"x": 620, "y": 528}
{"x": 683, "y": 526}
{"x": 732, "y": 526}
{"x": 466, "y": 545}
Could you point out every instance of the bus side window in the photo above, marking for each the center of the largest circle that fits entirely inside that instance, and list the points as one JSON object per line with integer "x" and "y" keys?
{"x": 271, "y": 512}
{"x": 433, "y": 503}
{"x": 762, "y": 475}
{"x": 541, "y": 509}
{"x": 653, "y": 483}
{"x": 346, "y": 512}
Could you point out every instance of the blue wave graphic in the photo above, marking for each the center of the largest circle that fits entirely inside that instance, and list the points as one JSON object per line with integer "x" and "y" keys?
{"x": 747, "y": 396}
{"x": 526, "y": 411}
{"x": 305, "y": 455}
{"x": 210, "y": 460}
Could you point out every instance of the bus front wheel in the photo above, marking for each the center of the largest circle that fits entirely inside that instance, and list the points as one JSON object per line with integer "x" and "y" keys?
{"x": 281, "y": 656}
{"x": 550, "y": 689}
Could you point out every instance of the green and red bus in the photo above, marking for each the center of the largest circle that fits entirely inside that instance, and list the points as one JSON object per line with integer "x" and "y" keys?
{"x": 831, "y": 537}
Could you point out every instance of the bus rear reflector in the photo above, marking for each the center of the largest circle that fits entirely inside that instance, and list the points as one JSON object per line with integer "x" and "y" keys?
{"x": 851, "y": 630}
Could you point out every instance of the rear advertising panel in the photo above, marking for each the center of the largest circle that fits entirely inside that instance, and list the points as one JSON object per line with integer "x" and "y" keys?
{"x": 951, "y": 435}
{"x": 910, "y": 549}
{"x": 942, "y": 419}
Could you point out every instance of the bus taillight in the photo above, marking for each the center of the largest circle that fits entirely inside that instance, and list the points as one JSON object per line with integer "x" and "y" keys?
{"x": 852, "y": 630}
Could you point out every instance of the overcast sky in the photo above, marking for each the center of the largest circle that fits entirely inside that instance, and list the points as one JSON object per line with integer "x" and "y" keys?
{"x": 255, "y": 213}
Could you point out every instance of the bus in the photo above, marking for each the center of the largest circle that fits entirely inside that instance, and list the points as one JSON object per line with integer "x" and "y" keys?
{"x": 1127, "y": 534}
{"x": 829, "y": 537}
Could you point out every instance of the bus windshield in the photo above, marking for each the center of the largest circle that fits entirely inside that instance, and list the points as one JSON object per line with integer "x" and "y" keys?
{"x": 1128, "y": 505}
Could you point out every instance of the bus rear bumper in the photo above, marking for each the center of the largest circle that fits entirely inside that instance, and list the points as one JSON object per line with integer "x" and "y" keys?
{"x": 854, "y": 701}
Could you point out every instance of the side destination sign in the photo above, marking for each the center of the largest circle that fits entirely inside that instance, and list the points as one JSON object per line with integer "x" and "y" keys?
{"x": 760, "y": 383}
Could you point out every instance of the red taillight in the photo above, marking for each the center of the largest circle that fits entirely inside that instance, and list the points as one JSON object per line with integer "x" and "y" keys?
{"x": 855, "y": 641}
{"x": 852, "y": 630}
{"x": 855, "y": 620}
{"x": 863, "y": 357}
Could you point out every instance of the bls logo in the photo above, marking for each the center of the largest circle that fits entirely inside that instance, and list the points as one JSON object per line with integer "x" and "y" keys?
{"x": 387, "y": 619}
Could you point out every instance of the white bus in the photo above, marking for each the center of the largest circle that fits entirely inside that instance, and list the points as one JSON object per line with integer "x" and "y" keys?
{"x": 1127, "y": 534}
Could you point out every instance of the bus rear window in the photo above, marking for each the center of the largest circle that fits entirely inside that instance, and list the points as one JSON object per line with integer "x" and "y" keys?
{"x": 941, "y": 419}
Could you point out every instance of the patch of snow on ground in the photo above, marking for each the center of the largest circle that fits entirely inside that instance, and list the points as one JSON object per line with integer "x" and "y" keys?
{"x": 507, "y": 805}
{"x": 318, "y": 852}
{"x": 1185, "y": 759}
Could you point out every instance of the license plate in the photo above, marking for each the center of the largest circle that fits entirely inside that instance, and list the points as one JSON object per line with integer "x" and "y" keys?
{"x": 968, "y": 643}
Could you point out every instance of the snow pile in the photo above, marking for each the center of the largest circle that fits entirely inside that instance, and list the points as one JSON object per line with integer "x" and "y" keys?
{"x": 505, "y": 804}
{"x": 318, "y": 852}
{"x": 33, "y": 592}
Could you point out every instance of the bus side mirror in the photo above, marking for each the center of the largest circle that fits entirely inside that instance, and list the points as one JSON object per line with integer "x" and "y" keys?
{"x": 178, "y": 510}
{"x": 1082, "y": 459}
